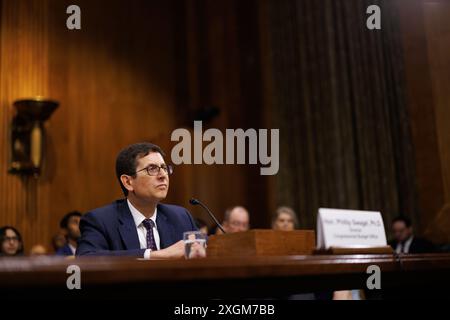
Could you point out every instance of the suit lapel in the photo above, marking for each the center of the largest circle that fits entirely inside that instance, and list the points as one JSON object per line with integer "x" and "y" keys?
{"x": 165, "y": 228}
{"x": 127, "y": 227}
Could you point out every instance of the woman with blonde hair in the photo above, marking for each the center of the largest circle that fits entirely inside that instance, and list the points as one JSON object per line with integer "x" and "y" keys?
{"x": 284, "y": 219}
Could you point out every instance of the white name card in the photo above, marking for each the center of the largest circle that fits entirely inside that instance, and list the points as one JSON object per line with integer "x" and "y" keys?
{"x": 349, "y": 229}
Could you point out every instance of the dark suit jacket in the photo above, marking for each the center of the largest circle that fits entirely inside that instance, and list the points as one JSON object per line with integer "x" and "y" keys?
{"x": 418, "y": 245}
{"x": 64, "y": 251}
{"x": 111, "y": 231}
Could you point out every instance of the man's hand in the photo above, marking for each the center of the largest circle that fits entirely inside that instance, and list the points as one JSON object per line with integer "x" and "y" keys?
{"x": 175, "y": 251}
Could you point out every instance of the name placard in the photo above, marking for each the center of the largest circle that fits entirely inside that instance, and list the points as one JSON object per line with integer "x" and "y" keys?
{"x": 349, "y": 229}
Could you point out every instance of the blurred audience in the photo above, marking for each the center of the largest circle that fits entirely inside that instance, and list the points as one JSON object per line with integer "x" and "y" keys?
{"x": 201, "y": 225}
{"x": 11, "y": 243}
{"x": 284, "y": 219}
{"x": 59, "y": 240}
{"x": 405, "y": 241}
{"x": 38, "y": 250}
{"x": 236, "y": 219}
{"x": 71, "y": 224}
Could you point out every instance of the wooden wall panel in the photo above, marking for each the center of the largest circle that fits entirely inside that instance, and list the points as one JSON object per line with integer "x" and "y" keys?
{"x": 135, "y": 71}
{"x": 24, "y": 73}
{"x": 437, "y": 26}
{"x": 114, "y": 80}
{"x": 222, "y": 71}
{"x": 426, "y": 41}
{"x": 421, "y": 109}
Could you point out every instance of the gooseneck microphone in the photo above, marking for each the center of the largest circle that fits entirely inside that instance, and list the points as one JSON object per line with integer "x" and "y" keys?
{"x": 195, "y": 202}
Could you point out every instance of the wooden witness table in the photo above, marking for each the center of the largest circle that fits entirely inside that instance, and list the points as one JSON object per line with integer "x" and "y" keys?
{"x": 228, "y": 277}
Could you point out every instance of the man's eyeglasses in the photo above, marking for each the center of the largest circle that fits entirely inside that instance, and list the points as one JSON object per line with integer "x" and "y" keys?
{"x": 153, "y": 169}
{"x": 239, "y": 224}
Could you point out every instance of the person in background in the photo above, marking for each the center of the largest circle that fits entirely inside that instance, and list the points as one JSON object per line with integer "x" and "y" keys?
{"x": 284, "y": 219}
{"x": 59, "y": 240}
{"x": 202, "y": 226}
{"x": 71, "y": 224}
{"x": 404, "y": 240}
{"x": 38, "y": 250}
{"x": 11, "y": 243}
{"x": 236, "y": 219}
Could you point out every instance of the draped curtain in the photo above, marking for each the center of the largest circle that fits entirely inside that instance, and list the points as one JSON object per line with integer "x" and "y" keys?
{"x": 339, "y": 101}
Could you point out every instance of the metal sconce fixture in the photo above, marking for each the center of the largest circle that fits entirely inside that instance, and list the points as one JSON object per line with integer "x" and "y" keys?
{"x": 28, "y": 134}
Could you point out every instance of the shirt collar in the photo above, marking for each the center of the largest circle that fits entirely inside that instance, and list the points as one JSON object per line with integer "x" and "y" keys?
{"x": 138, "y": 217}
{"x": 72, "y": 248}
{"x": 408, "y": 242}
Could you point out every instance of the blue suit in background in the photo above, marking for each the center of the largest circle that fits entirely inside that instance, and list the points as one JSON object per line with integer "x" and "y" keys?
{"x": 64, "y": 251}
{"x": 111, "y": 231}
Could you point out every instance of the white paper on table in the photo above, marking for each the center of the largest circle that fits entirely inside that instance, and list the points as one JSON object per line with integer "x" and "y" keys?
{"x": 349, "y": 228}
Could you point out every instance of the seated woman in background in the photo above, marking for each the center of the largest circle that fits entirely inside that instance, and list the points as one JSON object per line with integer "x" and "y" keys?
{"x": 11, "y": 243}
{"x": 284, "y": 219}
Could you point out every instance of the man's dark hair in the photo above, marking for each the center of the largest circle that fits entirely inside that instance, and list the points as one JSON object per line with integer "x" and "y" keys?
{"x": 126, "y": 160}
{"x": 403, "y": 219}
{"x": 65, "y": 220}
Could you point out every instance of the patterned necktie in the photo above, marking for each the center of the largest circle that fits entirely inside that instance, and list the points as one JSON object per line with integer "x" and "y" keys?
{"x": 149, "y": 225}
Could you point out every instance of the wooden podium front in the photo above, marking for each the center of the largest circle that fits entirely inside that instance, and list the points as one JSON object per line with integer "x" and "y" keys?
{"x": 262, "y": 243}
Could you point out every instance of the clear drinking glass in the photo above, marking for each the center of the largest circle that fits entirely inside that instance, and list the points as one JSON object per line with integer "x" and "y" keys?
{"x": 194, "y": 244}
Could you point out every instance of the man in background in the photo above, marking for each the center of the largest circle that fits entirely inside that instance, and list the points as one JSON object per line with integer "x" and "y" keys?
{"x": 59, "y": 240}
{"x": 70, "y": 223}
{"x": 236, "y": 219}
{"x": 404, "y": 239}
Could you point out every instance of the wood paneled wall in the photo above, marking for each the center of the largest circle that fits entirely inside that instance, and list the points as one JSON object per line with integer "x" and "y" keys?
{"x": 24, "y": 73}
{"x": 114, "y": 80}
{"x": 426, "y": 40}
{"x": 136, "y": 71}
{"x": 437, "y": 26}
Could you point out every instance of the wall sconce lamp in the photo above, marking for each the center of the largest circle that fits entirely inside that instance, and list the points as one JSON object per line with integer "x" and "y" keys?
{"x": 28, "y": 134}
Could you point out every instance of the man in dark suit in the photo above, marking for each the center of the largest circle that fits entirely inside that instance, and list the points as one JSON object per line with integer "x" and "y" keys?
{"x": 138, "y": 225}
{"x": 404, "y": 240}
{"x": 70, "y": 223}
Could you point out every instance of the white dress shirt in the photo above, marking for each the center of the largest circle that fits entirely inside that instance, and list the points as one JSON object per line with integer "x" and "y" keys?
{"x": 405, "y": 247}
{"x": 142, "y": 231}
{"x": 72, "y": 248}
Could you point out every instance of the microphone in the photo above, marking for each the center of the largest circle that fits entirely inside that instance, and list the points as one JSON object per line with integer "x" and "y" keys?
{"x": 195, "y": 202}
